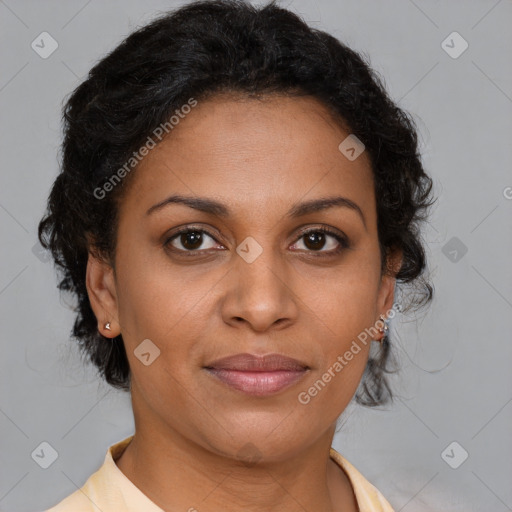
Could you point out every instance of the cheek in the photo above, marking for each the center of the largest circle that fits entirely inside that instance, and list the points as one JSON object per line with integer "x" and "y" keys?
{"x": 346, "y": 305}
{"x": 157, "y": 303}
{"x": 153, "y": 299}
{"x": 344, "y": 348}
{"x": 343, "y": 309}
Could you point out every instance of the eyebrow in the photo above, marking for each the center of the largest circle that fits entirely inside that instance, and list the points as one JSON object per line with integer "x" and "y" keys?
{"x": 213, "y": 207}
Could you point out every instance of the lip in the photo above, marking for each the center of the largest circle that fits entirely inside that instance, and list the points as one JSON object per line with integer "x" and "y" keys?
{"x": 258, "y": 375}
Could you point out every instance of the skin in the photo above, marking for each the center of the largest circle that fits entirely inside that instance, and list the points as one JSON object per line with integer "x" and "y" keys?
{"x": 258, "y": 157}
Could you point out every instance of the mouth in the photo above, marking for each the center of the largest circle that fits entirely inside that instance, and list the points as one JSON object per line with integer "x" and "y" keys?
{"x": 258, "y": 375}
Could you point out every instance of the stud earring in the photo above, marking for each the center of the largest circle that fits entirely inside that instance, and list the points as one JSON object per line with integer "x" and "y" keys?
{"x": 107, "y": 326}
{"x": 383, "y": 330}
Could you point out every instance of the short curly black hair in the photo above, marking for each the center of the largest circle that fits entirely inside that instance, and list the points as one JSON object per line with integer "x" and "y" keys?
{"x": 198, "y": 50}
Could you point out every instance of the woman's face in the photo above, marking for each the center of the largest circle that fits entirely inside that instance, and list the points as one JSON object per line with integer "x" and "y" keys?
{"x": 246, "y": 279}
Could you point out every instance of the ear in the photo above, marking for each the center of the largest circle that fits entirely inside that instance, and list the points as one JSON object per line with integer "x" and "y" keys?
{"x": 101, "y": 288}
{"x": 386, "y": 295}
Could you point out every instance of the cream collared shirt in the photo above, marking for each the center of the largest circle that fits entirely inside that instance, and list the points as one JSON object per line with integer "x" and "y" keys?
{"x": 109, "y": 490}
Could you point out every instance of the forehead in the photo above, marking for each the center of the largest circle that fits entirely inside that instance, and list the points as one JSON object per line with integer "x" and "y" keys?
{"x": 254, "y": 154}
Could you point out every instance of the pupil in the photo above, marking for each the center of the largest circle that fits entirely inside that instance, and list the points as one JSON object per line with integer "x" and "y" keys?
{"x": 316, "y": 238}
{"x": 194, "y": 236}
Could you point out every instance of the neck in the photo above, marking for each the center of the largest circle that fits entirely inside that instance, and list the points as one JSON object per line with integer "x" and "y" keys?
{"x": 177, "y": 473}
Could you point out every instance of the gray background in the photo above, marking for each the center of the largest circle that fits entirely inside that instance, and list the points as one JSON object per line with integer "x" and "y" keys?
{"x": 455, "y": 383}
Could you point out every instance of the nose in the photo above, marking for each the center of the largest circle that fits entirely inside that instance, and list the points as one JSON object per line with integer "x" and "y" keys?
{"x": 261, "y": 293}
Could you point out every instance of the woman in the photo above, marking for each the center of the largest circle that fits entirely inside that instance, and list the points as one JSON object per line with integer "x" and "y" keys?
{"x": 238, "y": 198}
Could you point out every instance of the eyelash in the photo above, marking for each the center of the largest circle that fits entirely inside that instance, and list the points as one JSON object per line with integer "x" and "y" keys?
{"x": 342, "y": 240}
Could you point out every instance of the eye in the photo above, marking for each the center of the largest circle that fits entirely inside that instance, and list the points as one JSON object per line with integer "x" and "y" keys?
{"x": 316, "y": 239}
{"x": 191, "y": 239}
